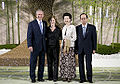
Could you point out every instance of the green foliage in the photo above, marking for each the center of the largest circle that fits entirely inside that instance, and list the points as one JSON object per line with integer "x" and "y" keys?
{"x": 107, "y": 50}
{"x": 8, "y": 46}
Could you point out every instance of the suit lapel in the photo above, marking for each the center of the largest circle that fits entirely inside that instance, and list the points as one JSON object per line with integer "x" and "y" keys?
{"x": 36, "y": 26}
{"x": 86, "y": 34}
{"x": 43, "y": 27}
{"x": 81, "y": 31}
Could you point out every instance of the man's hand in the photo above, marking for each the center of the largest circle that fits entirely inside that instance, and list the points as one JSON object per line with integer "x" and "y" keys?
{"x": 30, "y": 49}
{"x": 93, "y": 51}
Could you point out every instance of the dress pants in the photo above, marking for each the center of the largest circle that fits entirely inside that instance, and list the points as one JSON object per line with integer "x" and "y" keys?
{"x": 53, "y": 59}
{"x": 33, "y": 62}
{"x": 88, "y": 66}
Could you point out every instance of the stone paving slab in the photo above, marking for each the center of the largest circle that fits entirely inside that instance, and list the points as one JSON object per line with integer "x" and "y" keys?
{"x": 13, "y": 81}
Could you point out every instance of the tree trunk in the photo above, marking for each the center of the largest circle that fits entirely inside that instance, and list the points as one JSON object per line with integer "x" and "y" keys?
{"x": 72, "y": 11}
{"x": 8, "y": 26}
{"x": 115, "y": 28}
{"x": 102, "y": 22}
{"x": 18, "y": 24}
{"x": 84, "y": 8}
{"x": 110, "y": 26}
{"x": 94, "y": 12}
{"x": 12, "y": 21}
{"x": 118, "y": 31}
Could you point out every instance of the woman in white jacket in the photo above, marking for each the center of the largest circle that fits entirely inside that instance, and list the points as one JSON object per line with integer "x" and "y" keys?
{"x": 67, "y": 58}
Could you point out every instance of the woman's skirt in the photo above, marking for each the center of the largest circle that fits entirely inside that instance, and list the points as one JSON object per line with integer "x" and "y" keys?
{"x": 67, "y": 64}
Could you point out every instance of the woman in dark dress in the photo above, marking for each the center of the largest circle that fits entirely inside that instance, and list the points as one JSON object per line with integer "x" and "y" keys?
{"x": 54, "y": 34}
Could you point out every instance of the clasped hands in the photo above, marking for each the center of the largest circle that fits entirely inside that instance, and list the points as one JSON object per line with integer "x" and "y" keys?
{"x": 66, "y": 45}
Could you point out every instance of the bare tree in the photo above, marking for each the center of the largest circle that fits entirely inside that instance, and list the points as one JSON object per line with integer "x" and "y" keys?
{"x": 8, "y": 25}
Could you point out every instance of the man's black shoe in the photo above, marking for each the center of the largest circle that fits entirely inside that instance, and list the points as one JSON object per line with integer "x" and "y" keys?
{"x": 33, "y": 81}
{"x": 90, "y": 81}
{"x": 41, "y": 80}
{"x": 50, "y": 79}
{"x": 55, "y": 80}
{"x": 82, "y": 81}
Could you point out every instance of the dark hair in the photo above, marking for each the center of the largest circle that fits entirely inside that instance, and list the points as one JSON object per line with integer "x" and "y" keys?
{"x": 56, "y": 23}
{"x": 67, "y": 14}
{"x": 49, "y": 19}
{"x": 83, "y": 14}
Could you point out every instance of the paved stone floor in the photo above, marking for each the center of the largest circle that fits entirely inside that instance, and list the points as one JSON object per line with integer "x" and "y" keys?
{"x": 50, "y": 82}
{"x": 20, "y": 75}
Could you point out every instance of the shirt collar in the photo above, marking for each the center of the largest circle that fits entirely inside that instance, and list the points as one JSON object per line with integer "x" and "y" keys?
{"x": 84, "y": 25}
{"x": 39, "y": 20}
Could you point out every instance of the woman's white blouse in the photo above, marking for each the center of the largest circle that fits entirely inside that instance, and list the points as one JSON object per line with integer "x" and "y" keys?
{"x": 69, "y": 32}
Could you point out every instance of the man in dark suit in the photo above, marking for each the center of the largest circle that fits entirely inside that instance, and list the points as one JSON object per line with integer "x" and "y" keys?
{"x": 86, "y": 45}
{"x": 37, "y": 45}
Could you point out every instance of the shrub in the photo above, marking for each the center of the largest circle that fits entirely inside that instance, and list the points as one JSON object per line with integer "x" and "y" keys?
{"x": 111, "y": 49}
{"x": 8, "y": 46}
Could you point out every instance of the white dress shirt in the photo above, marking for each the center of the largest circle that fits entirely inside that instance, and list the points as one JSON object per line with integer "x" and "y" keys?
{"x": 39, "y": 22}
{"x": 84, "y": 25}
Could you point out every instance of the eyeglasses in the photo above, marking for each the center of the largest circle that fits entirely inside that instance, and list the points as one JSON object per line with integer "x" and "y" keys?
{"x": 83, "y": 18}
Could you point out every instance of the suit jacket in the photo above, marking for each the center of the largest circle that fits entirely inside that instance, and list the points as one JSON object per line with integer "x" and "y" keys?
{"x": 87, "y": 43}
{"x": 34, "y": 36}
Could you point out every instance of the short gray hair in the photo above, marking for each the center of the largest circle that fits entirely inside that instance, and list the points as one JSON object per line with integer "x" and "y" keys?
{"x": 39, "y": 10}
